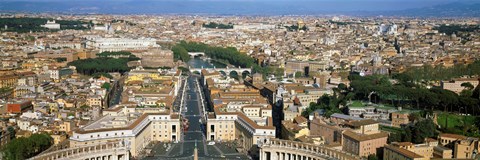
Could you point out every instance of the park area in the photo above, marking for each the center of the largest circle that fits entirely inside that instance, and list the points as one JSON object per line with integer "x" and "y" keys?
{"x": 459, "y": 124}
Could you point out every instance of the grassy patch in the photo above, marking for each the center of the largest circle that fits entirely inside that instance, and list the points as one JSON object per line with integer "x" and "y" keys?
{"x": 391, "y": 129}
{"x": 453, "y": 120}
{"x": 357, "y": 104}
{"x": 458, "y": 124}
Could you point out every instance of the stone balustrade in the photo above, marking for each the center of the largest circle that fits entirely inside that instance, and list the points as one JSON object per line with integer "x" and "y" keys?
{"x": 293, "y": 150}
{"x": 108, "y": 151}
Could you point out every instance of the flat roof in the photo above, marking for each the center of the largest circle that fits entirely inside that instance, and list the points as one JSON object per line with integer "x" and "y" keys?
{"x": 103, "y": 124}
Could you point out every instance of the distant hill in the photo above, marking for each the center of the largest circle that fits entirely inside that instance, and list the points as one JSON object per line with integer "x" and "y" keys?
{"x": 455, "y": 9}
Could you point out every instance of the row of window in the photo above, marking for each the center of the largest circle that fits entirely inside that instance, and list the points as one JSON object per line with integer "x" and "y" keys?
{"x": 159, "y": 136}
{"x": 226, "y": 126}
{"x": 160, "y": 118}
{"x": 106, "y": 135}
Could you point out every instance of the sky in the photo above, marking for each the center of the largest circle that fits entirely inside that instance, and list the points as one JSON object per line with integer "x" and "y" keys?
{"x": 228, "y": 6}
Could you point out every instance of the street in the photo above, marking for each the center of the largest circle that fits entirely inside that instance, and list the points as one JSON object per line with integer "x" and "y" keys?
{"x": 192, "y": 110}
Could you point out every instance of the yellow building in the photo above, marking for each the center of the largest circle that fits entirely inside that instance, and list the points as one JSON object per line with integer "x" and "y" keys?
{"x": 466, "y": 148}
{"x": 8, "y": 80}
{"x": 66, "y": 126}
{"x": 94, "y": 101}
{"x": 58, "y": 138}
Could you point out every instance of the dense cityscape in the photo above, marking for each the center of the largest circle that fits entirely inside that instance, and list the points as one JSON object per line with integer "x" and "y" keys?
{"x": 276, "y": 87}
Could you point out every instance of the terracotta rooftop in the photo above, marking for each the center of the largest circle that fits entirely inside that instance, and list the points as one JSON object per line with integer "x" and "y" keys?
{"x": 449, "y": 135}
{"x": 362, "y": 122}
{"x": 364, "y": 137}
{"x": 404, "y": 144}
{"x": 403, "y": 152}
{"x": 300, "y": 119}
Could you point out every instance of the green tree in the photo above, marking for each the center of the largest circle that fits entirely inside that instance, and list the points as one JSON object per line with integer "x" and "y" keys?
{"x": 412, "y": 117}
{"x": 85, "y": 107}
{"x": 102, "y": 65}
{"x": 106, "y": 85}
{"x": 342, "y": 87}
{"x": 423, "y": 129}
{"x": 99, "y": 74}
{"x": 180, "y": 53}
{"x": 298, "y": 74}
{"x": 467, "y": 85}
{"x": 407, "y": 137}
{"x": 394, "y": 137}
{"x": 218, "y": 25}
{"x": 23, "y": 148}
{"x": 11, "y": 131}
{"x": 372, "y": 157}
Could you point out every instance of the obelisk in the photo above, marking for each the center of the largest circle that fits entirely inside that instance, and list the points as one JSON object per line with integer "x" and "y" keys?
{"x": 195, "y": 152}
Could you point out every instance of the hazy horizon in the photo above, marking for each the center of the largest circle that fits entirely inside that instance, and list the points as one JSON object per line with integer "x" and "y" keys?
{"x": 268, "y": 7}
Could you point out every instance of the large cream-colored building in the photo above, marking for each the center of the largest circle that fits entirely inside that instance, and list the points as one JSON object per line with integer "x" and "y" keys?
{"x": 135, "y": 127}
{"x": 121, "y": 44}
{"x": 236, "y": 126}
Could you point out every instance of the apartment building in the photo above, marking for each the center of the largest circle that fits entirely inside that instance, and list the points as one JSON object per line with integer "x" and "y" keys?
{"x": 8, "y": 79}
